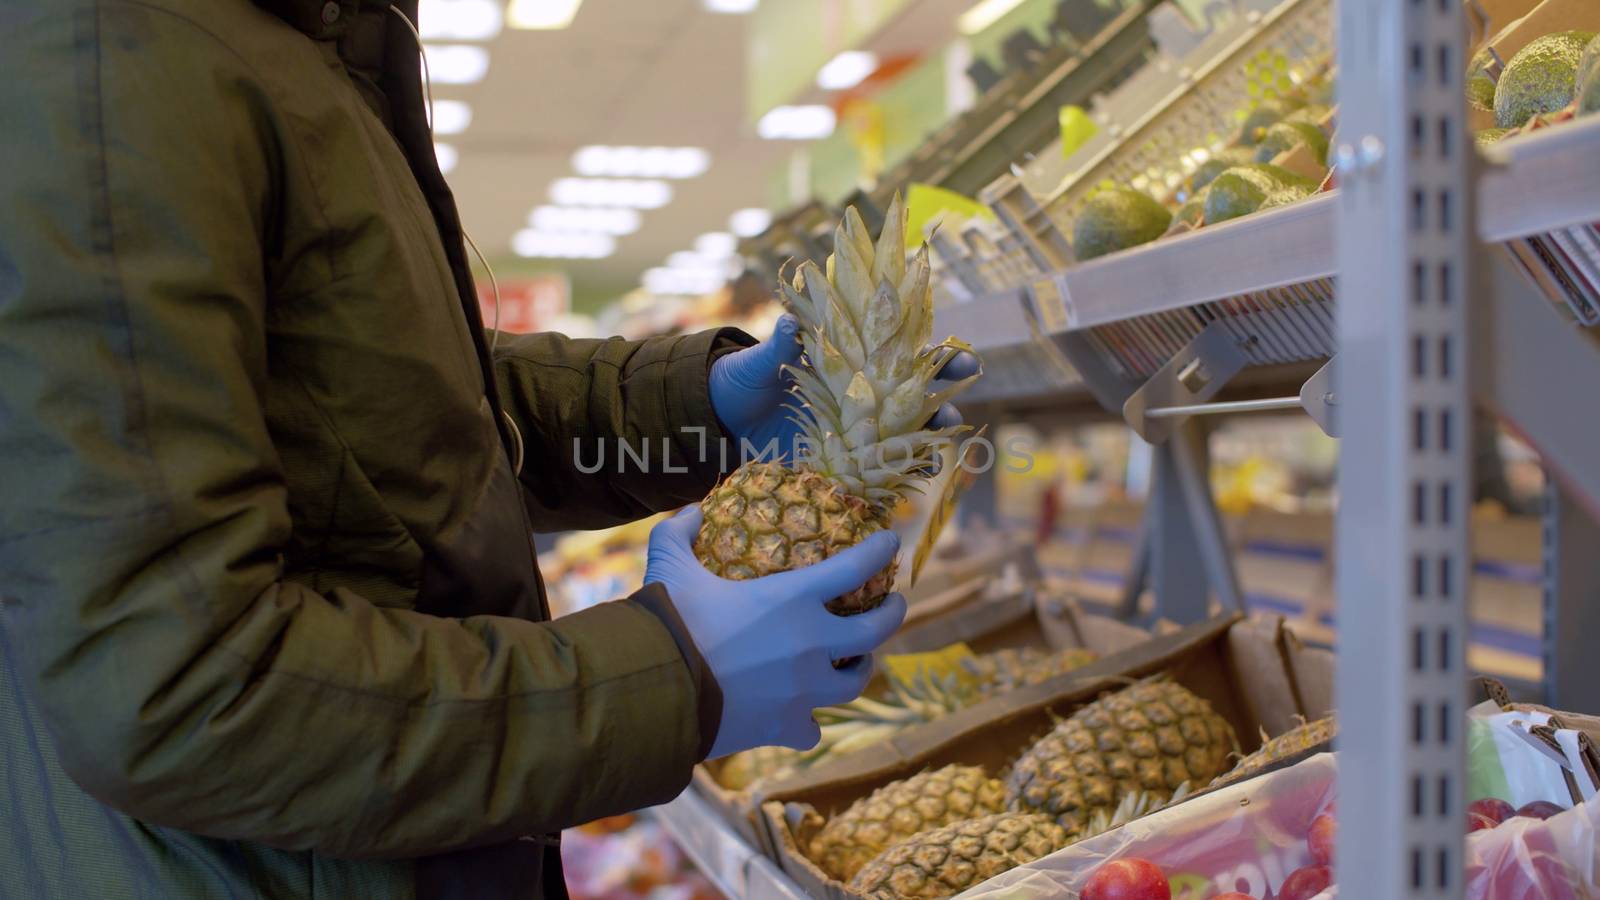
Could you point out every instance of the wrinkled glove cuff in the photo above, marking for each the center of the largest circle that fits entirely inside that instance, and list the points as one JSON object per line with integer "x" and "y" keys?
{"x": 654, "y": 599}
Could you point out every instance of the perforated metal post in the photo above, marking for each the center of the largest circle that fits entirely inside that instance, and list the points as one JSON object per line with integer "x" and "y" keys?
{"x": 1404, "y": 236}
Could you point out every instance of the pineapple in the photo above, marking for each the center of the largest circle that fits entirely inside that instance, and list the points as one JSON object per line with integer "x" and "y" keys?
{"x": 1008, "y": 669}
{"x": 1154, "y": 737}
{"x": 1296, "y": 740}
{"x": 865, "y": 325}
{"x": 946, "y": 861}
{"x": 901, "y": 809}
{"x": 741, "y": 770}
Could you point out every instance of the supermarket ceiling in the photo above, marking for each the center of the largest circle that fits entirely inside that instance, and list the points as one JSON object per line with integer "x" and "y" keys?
{"x": 625, "y": 72}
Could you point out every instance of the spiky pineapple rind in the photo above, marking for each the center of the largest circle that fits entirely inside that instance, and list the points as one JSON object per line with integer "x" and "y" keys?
{"x": 900, "y": 810}
{"x": 945, "y": 861}
{"x": 1153, "y": 737}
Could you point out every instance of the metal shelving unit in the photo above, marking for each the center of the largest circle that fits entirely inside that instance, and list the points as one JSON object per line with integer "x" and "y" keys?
{"x": 1435, "y": 281}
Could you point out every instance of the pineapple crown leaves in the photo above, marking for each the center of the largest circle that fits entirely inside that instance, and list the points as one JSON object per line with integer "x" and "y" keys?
{"x": 866, "y": 323}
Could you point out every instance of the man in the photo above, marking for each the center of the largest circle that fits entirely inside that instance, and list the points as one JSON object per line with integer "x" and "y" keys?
{"x": 271, "y": 624}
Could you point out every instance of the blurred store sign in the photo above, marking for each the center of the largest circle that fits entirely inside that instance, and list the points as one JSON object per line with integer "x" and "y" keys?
{"x": 527, "y": 304}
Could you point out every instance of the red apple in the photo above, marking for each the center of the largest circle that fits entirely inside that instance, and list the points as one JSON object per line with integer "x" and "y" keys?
{"x": 1491, "y": 808}
{"x": 1540, "y": 809}
{"x": 1128, "y": 879}
{"x": 1303, "y": 884}
{"x": 1320, "y": 840}
{"x": 1479, "y": 822}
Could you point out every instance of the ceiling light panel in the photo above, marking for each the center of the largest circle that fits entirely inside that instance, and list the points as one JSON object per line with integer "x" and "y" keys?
{"x": 585, "y": 220}
{"x": 447, "y": 156}
{"x": 664, "y": 280}
{"x": 730, "y": 6}
{"x": 716, "y": 245}
{"x": 451, "y": 116}
{"x": 633, "y": 193}
{"x": 456, "y": 63}
{"x": 641, "y": 162}
{"x": 535, "y": 244}
{"x": 542, "y": 15}
{"x": 749, "y": 222}
{"x": 796, "y": 123}
{"x": 458, "y": 20}
{"x": 847, "y": 70}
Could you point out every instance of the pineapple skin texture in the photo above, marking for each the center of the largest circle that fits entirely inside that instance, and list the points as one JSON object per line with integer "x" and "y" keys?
{"x": 767, "y": 518}
{"x": 1151, "y": 737}
{"x": 900, "y": 810}
{"x": 946, "y": 861}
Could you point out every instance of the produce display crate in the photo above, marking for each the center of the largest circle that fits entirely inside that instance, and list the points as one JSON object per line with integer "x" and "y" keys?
{"x": 1241, "y": 666}
{"x": 1022, "y": 619}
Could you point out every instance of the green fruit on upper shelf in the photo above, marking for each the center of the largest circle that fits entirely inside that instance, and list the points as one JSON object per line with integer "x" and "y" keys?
{"x": 1244, "y": 189}
{"x": 1588, "y": 78}
{"x": 1117, "y": 218}
{"x": 1540, "y": 78}
{"x": 1287, "y": 135}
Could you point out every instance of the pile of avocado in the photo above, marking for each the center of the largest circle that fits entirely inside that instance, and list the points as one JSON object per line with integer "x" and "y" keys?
{"x": 1542, "y": 78}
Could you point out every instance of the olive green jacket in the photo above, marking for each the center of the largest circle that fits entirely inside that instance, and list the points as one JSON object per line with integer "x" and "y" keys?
{"x": 270, "y": 622}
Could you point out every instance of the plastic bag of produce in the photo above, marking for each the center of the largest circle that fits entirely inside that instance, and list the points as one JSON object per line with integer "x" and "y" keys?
{"x": 1533, "y": 859}
{"x": 1246, "y": 837}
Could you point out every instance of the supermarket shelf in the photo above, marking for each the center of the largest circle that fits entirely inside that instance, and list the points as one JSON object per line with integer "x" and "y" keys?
{"x": 735, "y": 867}
{"x": 1278, "y": 248}
{"x": 1541, "y": 181}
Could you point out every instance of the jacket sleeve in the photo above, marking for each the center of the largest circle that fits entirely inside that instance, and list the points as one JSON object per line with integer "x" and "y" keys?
{"x": 182, "y": 680}
{"x": 614, "y": 430}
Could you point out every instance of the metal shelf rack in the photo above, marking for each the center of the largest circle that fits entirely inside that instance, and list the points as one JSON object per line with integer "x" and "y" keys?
{"x": 1434, "y": 282}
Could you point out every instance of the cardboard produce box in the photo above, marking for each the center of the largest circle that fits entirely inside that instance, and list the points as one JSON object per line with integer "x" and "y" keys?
{"x": 1241, "y": 666}
{"x": 1022, "y": 619}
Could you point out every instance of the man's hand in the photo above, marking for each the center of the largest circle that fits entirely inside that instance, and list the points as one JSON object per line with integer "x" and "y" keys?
{"x": 770, "y": 642}
{"x": 750, "y": 391}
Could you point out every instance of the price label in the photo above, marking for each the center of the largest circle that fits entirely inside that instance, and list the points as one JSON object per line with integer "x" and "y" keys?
{"x": 1052, "y": 301}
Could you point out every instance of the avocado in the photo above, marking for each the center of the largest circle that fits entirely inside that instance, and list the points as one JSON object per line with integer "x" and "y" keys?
{"x": 1193, "y": 210}
{"x": 1261, "y": 118}
{"x": 1287, "y": 135}
{"x": 1589, "y": 78}
{"x": 1115, "y": 219}
{"x": 1480, "y": 87}
{"x": 1311, "y": 113}
{"x": 1244, "y": 189}
{"x": 1216, "y": 165}
{"x": 1489, "y": 135}
{"x": 1541, "y": 78}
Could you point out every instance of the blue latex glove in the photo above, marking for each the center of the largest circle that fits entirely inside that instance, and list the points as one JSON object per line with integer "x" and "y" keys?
{"x": 769, "y": 641}
{"x": 750, "y": 391}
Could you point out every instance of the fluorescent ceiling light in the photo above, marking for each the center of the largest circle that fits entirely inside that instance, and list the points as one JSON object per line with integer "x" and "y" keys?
{"x": 716, "y": 244}
{"x": 629, "y": 192}
{"x": 730, "y": 6}
{"x": 847, "y": 70}
{"x": 458, "y": 20}
{"x": 456, "y": 63}
{"x": 681, "y": 281}
{"x": 585, "y": 220}
{"x": 531, "y": 242}
{"x": 749, "y": 222}
{"x": 542, "y": 15}
{"x": 695, "y": 261}
{"x": 447, "y": 157}
{"x": 984, "y": 14}
{"x": 796, "y": 123}
{"x": 451, "y": 116}
{"x": 642, "y": 162}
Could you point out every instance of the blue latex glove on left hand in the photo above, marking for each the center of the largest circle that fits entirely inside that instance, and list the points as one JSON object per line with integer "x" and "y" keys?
{"x": 750, "y": 391}
{"x": 771, "y": 642}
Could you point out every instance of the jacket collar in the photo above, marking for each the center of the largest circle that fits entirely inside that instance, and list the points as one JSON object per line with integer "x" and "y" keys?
{"x": 324, "y": 20}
